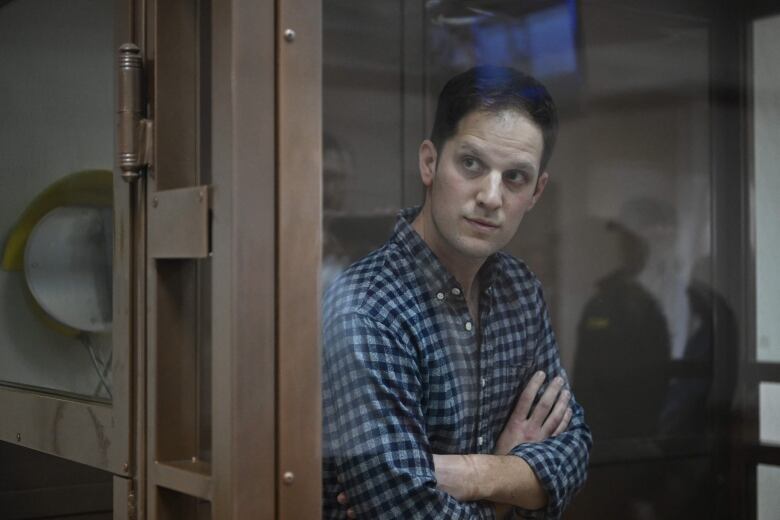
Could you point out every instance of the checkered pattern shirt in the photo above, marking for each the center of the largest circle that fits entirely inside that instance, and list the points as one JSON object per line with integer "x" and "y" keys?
{"x": 407, "y": 374}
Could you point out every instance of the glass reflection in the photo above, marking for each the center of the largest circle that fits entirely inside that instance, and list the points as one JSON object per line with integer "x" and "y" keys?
{"x": 622, "y": 238}
{"x": 56, "y": 191}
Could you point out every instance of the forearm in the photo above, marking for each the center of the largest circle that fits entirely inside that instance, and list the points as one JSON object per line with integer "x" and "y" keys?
{"x": 503, "y": 479}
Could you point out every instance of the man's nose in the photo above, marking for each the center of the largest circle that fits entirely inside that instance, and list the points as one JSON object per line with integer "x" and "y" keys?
{"x": 489, "y": 195}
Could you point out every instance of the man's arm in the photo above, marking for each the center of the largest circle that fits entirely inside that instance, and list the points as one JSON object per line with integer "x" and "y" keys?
{"x": 374, "y": 429}
{"x": 504, "y": 478}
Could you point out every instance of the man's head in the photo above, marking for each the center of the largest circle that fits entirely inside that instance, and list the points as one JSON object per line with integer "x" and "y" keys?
{"x": 495, "y": 89}
{"x": 483, "y": 168}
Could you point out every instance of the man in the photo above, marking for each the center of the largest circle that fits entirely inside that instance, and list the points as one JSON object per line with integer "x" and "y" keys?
{"x": 429, "y": 341}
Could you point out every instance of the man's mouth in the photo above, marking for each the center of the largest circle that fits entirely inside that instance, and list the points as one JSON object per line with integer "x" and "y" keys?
{"x": 482, "y": 224}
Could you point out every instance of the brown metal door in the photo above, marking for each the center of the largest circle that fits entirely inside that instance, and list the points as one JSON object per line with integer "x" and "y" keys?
{"x": 232, "y": 204}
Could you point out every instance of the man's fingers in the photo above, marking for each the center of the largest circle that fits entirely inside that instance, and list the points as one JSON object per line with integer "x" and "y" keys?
{"x": 564, "y": 423}
{"x": 526, "y": 400}
{"x": 553, "y": 421}
{"x": 546, "y": 403}
{"x": 341, "y": 498}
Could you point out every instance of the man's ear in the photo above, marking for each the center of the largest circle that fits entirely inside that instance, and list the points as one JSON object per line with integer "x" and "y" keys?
{"x": 540, "y": 184}
{"x": 427, "y": 157}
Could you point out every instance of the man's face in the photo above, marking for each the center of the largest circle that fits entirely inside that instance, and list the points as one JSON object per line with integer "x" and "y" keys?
{"x": 481, "y": 184}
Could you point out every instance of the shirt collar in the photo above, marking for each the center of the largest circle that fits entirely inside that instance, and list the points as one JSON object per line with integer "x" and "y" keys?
{"x": 436, "y": 276}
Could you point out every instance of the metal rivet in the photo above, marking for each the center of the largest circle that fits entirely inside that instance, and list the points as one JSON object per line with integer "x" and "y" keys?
{"x": 125, "y": 467}
{"x": 155, "y": 202}
{"x": 289, "y": 35}
{"x": 18, "y": 437}
{"x": 288, "y": 477}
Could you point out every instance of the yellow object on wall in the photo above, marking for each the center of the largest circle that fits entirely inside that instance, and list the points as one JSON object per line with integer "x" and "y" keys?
{"x": 84, "y": 188}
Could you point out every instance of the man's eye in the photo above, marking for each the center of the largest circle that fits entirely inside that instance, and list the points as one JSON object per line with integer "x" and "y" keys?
{"x": 471, "y": 164}
{"x": 515, "y": 177}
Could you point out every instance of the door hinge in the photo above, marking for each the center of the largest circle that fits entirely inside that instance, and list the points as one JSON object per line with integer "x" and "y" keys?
{"x": 134, "y": 133}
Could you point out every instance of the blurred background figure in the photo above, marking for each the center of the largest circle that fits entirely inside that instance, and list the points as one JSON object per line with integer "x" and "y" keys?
{"x": 623, "y": 352}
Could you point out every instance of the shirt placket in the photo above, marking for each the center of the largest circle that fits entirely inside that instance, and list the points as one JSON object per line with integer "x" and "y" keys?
{"x": 468, "y": 354}
{"x": 484, "y": 438}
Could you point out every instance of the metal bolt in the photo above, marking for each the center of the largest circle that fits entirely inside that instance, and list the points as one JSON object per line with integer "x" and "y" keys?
{"x": 289, "y": 35}
{"x": 288, "y": 477}
{"x": 18, "y": 437}
{"x": 155, "y": 202}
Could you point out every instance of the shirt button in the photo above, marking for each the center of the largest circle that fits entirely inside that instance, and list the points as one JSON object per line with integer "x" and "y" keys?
{"x": 456, "y": 291}
{"x": 483, "y": 382}
{"x": 440, "y": 296}
{"x": 469, "y": 326}
{"x": 480, "y": 440}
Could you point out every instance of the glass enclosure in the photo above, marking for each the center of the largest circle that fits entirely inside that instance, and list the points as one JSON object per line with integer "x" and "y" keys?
{"x": 56, "y": 222}
{"x": 622, "y": 239}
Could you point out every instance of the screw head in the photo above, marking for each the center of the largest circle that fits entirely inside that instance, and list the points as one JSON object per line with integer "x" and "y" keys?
{"x": 289, "y": 35}
{"x": 288, "y": 477}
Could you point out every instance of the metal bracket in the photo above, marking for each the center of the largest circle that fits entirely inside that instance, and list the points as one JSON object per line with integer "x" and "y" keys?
{"x": 134, "y": 136}
{"x": 179, "y": 223}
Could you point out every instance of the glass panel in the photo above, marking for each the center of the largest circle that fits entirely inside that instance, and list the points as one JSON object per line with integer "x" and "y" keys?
{"x": 620, "y": 238}
{"x": 769, "y": 412}
{"x": 56, "y": 223}
{"x": 768, "y": 497}
{"x": 661, "y": 489}
{"x": 766, "y": 156}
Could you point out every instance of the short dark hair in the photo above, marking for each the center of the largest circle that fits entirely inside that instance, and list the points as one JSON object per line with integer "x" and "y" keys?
{"x": 493, "y": 89}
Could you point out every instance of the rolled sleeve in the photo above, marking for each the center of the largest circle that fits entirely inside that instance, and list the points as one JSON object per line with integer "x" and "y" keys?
{"x": 560, "y": 463}
{"x": 375, "y": 438}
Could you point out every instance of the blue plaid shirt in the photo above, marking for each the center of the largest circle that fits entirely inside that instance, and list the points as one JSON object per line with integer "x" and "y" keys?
{"x": 407, "y": 374}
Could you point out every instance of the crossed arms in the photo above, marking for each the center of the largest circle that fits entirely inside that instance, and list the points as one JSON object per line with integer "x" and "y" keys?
{"x": 377, "y": 446}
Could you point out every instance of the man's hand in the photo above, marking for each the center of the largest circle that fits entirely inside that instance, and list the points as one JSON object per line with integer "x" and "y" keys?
{"x": 549, "y": 417}
{"x": 344, "y": 501}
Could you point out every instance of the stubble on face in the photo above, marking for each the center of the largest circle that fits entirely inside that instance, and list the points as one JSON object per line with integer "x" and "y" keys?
{"x": 472, "y": 209}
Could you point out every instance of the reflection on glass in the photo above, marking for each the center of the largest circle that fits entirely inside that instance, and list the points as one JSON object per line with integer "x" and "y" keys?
{"x": 621, "y": 238}
{"x": 56, "y": 223}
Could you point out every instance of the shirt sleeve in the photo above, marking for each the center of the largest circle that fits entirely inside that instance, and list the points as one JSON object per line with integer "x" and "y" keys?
{"x": 560, "y": 462}
{"x": 374, "y": 432}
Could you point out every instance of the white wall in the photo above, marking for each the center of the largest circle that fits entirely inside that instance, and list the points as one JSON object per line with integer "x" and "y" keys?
{"x": 766, "y": 153}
